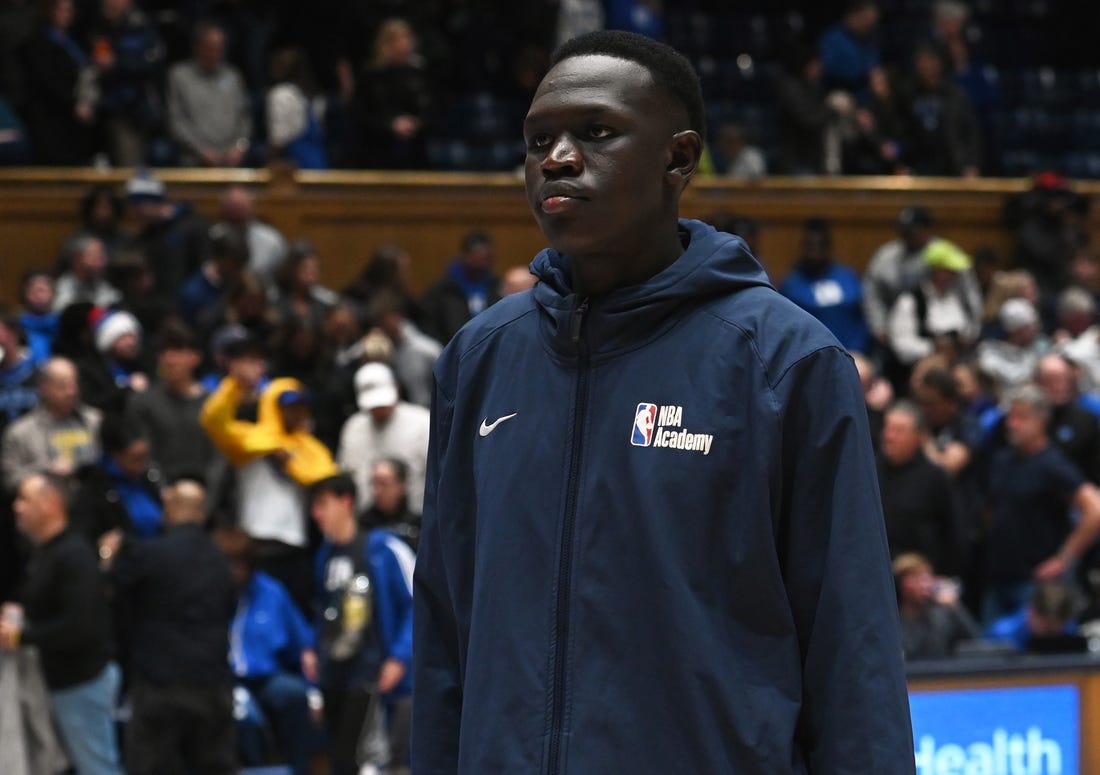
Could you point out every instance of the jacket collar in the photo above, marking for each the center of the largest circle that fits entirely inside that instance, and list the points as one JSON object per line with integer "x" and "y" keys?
{"x": 713, "y": 264}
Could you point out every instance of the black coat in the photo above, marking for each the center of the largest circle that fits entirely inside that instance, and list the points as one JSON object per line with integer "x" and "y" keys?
{"x": 174, "y": 248}
{"x": 180, "y": 594}
{"x": 940, "y": 131}
{"x": 384, "y": 94}
{"x": 97, "y": 506}
{"x": 446, "y": 309}
{"x": 802, "y": 116}
{"x": 51, "y": 76}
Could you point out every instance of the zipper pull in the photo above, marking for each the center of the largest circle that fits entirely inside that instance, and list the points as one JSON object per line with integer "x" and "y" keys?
{"x": 577, "y": 320}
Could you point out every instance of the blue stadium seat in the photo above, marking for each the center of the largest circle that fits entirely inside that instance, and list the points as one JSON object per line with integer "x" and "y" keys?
{"x": 1088, "y": 87}
{"x": 1013, "y": 44}
{"x": 676, "y": 28}
{"x": 1082, "y": 165}
{"x": 502, "y": 156}
{"x": 756, "y": 119}
{"x": 450, "y": 154}
{"x": 721, "y": 112}
{"x": 694, "y": 33}
{"x": 1086, "y": 129}
{"x": 1020, "y": 162}
{"x": 744, "y": 78}
{"x": 900, "y": 37}
{"x": 1047, "y": 86}
{"x": 741, "y": 33}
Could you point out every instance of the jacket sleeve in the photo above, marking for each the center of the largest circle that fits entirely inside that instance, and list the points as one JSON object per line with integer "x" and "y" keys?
{"x": 181, "y": 123}
{"x": 299, "y": 633}
{"x": 972, "y": 300}
{"x": 244, "y": 113}
{"x": 310, "y": 462}
{"x": 351, "y": 455}
{"x": 219, "y": 419}
{"x": 437, "y": 684}
{"x": 17, "y": 456}
{"x": 393, "y": 565}
{"x": 286, "y": 114}
{"x": 904, "y": 331}
{"x": 876, "y": 309}
{"x": 832, "y": 545}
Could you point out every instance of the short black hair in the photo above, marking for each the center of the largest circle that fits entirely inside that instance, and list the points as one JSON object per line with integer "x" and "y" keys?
{"x": 31, "y": 274}
{"x": 400, "y": 468}
{"x": 820, "y": 226}
{"x": 172, "y": 478}
{"x": 244, "y": 347}
{"x": 340, "y": 485}
{"x": 1055, "y": 599}
{"x": 670, "y": 69}
{"x": 227, "y": 242}
{"x": 475, "y": 239}
{"x": 202, "y": 27}
{"x": 944, "y": 383}
{"x": 176, "y": 335}
{"x": 97, "y": 192}
{"x": 117, "y": 433}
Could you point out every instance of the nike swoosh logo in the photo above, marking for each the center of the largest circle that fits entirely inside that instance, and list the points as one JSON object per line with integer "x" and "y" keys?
{"x": 485, "y": 430}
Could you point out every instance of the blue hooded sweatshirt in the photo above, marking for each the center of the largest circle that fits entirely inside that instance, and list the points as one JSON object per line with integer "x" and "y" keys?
{"x": 652, "y": 538}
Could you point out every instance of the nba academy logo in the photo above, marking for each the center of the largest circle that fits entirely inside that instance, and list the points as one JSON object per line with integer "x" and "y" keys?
{"x": 644, "y": 417}
{"x": 663, "y": 426}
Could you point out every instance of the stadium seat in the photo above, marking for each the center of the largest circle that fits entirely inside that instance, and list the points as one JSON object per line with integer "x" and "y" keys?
{"x": 1020, "y": 161}
{"x": 1086, "y": 129}
{"x": 1047, "y": 86}
{"x": 1088, "y": 87}
{"x": 1082, "y": 165}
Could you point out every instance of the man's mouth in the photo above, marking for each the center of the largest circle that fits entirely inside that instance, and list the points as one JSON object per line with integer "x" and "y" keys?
{"x": 557, "y": 204}
{"x": 559, "y": 201}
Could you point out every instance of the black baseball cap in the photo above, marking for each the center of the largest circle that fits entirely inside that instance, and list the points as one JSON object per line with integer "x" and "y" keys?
{"x": 913, "y": 218}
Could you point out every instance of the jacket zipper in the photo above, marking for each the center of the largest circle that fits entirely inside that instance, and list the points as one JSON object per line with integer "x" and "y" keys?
{"x": 561, "y": 618}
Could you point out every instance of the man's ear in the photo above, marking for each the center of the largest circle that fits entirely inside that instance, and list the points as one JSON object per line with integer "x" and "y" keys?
{"x": 685, "y": 150}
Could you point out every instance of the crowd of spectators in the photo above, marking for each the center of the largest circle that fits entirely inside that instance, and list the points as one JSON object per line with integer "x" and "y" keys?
{"x": 853, "y": 87}
{"x": 979, "y": 375}
{"x": 217, "y": 463}
{"x": 192, "y": 389}
{"x": 180, "y": 401}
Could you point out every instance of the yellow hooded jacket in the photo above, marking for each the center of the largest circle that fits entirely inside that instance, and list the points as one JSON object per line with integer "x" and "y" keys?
{"x": 243, "y": 442}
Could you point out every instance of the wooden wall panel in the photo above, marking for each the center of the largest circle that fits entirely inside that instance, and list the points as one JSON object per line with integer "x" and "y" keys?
{"x": 349, "y": 214}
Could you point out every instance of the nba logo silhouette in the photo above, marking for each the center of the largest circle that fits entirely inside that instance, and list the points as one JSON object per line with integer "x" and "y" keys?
{"x": 644, "y": 417}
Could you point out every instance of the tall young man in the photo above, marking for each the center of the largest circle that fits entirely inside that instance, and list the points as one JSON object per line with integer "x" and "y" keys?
{"x": 652, "y": 537}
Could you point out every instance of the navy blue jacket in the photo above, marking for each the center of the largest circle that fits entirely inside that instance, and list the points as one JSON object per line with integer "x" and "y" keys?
{"x": 652, "y": 538}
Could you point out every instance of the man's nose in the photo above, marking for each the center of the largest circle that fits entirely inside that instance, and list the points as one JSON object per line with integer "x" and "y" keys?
{"x": 564, "y": 156}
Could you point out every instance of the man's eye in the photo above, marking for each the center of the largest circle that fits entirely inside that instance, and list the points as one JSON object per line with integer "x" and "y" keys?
{"x": 598, "y": 132}
{"x": 537, "y": 142}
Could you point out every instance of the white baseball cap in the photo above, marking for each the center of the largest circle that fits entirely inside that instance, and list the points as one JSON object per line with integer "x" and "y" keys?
{"x": 375, "y": 386}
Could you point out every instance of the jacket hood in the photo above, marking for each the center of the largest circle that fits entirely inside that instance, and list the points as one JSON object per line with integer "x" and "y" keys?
{"x": 310, "y": 460}
{"x": 268, "y": 415}
{"x": 713, "y": 264}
